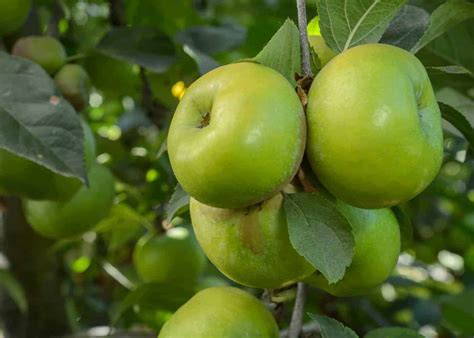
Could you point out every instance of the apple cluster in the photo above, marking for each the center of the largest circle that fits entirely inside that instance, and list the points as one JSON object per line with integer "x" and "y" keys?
{"x": 56, "y": 206}
{"x": 371, "y": 134}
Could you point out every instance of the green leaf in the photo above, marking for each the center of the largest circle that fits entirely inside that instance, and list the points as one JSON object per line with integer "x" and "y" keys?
{"x": 213, "y": 39}
{"x": 320, "y": 233}
{"x": 147, "y": 47}
{"x": 282, "y": 52}
{"x": 443, "y": 18}
{"x": 455, "y": 46}
{"x": 345, "y": 23}
{"x": 447, "y": 70}
{"x": 459, "y": 121}
{"x": 313, "y": 27}
{"x": 406, "y": 226}
{"x": 393, "y": 332}
{"x": 332, "y": 328}
{"x": 204, "y": 62}
{"x": 178, "y": 203}
{"x": 14, "y": 289}
{"x": 36, "y": 123}
{"x": 122, "y": 225}
{"x": 458, "y": 312}
{"x": 157, "y": 295}
{"x": 407, "y": 28}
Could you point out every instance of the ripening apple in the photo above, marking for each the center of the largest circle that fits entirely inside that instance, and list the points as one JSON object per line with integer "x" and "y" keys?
{"x": 374, "y": 126}
{"x": 173, "y": 257}
{"x": 46, "y": 51}
{"x": 224, "y": 312}
{"x": 377, "y": 247}
{"x": 13, "y": 14}
{"x": 237, "y": 136}
{"x": 22, "y": 177}
{"x": 250, "y": 245}
{"x": 77, "y": 215}
{"x": 74, "y": 84}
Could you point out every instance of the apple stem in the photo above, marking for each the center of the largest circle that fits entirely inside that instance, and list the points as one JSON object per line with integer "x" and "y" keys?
{"x": 298, "y": 312}
{"x": 302, "y": 23}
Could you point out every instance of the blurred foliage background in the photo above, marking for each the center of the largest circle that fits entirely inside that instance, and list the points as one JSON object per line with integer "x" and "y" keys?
{"x": 432, "y": 288}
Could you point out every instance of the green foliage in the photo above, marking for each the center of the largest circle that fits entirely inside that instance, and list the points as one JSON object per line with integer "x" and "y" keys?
{"x": 332, "y": 328}
{"x": 13, "y": 289}
{"x": 320, "y": 233}
{"x": 459, "y": 121}
{"x": 443, "y": 18}
{"x": 286, "y": 60}
{"x": 345, "y": 24}
{"x": 393, "y": 332}
{"x": 32, "y": 102}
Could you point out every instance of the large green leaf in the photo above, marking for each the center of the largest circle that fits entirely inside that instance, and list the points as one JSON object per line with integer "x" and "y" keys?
{"x": 36, "y": 123}
{"x": 147, "y": 47}
{"x": 443, "y": 18}
{"x": 320, "y": 233}
{"x": 13, "y": 289}
{"x": 332, "y": 328}
{"x": 282, "y": 52}
{"x": 393, "y": 332}
{"x": 407, "y": 28}
{"x": 346, "y": 23}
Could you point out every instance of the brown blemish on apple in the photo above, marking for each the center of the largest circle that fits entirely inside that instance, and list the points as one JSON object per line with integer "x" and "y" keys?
{"x": 249, "y": 231}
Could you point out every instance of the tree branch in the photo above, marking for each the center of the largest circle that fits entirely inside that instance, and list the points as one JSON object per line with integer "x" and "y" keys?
{"x": 298, "y": 312}
{"x": 302, "y": 23}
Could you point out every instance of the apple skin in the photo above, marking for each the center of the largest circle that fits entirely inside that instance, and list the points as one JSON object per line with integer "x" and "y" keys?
{"x": 14, "y": 14}
{"x": 254, "y": 141}
{"x": 174, "y": 257}
{"x": 374, "y": 127}
{"x": 22, "y": 177}
{"x": 250, "y": 245}
{"x": 81, "y": 213}
{"x": 377, "y": 247}
{"x": 74, "y": 83}
{"x": 224, "y": 312}
{"x": 325, "y": 53}
{"x": 46, "y": 51}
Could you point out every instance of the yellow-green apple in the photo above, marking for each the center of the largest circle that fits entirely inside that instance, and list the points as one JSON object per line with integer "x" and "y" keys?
{"x": 46, "y": 51}
{"x": 174, "y": 257}
{"x": 74, "y": 83}
{"x": 374, "y": 126}
{"x": 250, "y": 245}
{"x": 77, "y": 215}
{"x": 13, "y": 14}
{"x": 224, "y": 312}
{"x": 237, "y": 136}
{"x": 377, "y": 247}
{"x": 25, "y": 178}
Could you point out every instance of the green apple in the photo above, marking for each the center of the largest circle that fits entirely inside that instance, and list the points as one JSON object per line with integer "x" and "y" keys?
{"x": 77, "y": 215}
{"x": 74, "y": 83}
{"x": 237, "y": 136}
{"x": 250, "y": 245}
{"x": 46, "y": 51}
{"x": 325, "y": 53}
{"x": 377, "y": 247}
{"x": 174, "y": 257}
{"x": 22, "y": 177}
{"x": 13, "y": 14}
{"x": 223, "y": 312}
{"x": 374, "y": 126}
